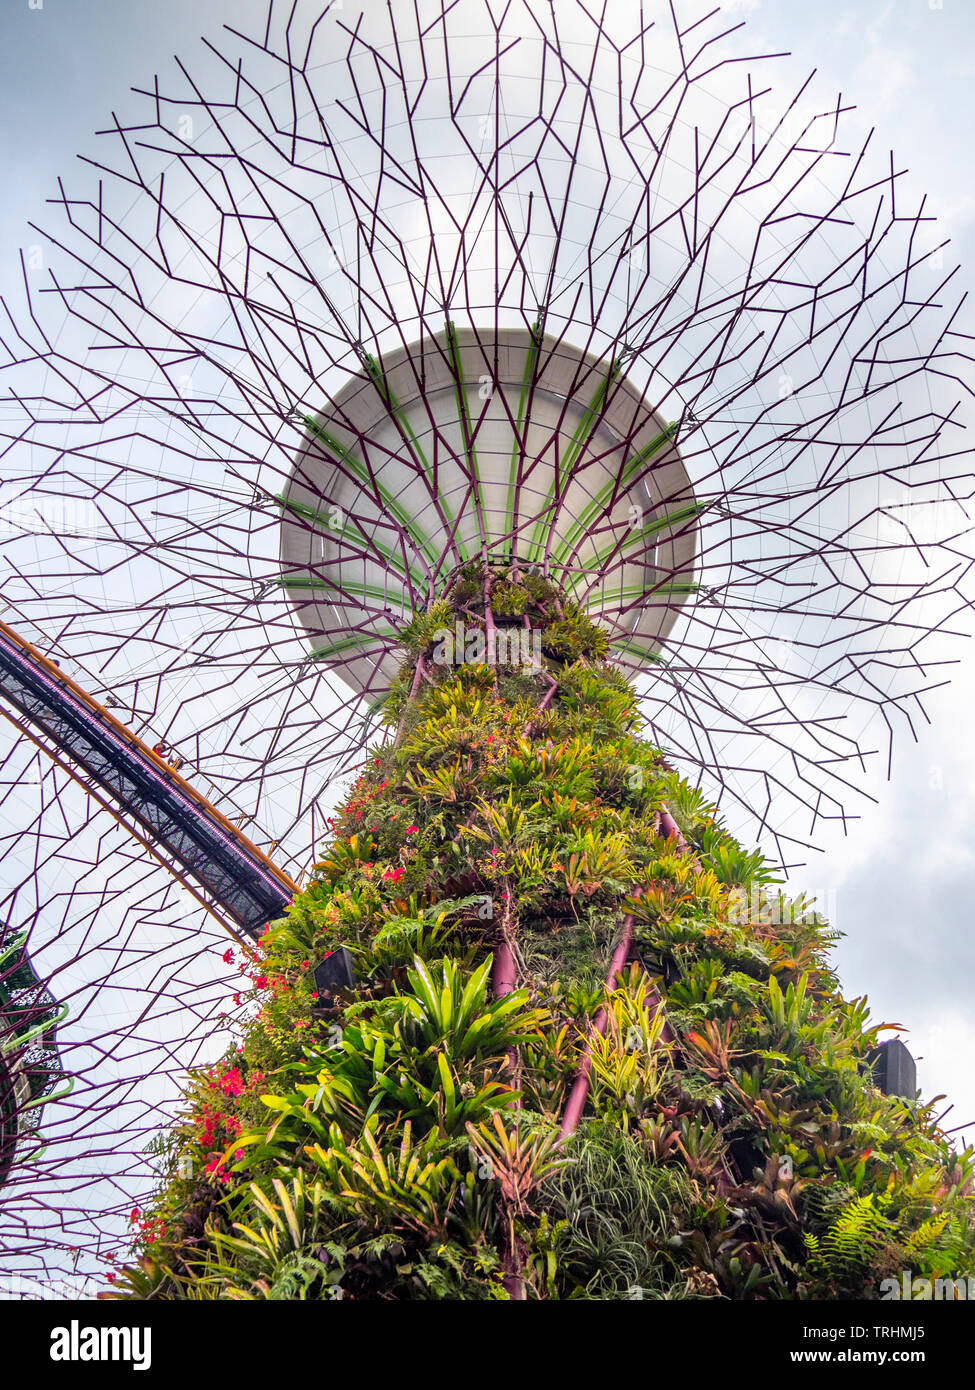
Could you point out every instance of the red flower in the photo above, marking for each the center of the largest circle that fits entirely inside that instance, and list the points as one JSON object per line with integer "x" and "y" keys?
{"x": 394, "y": 875}
{"x": 208, "y": 1133}
{"x": 260, "y": 981}
{"x": 412, "y": 829}
{"x": 231, "y": 1083}
{"x": 134, "y": 1215}
{"x": 228, "y": 956}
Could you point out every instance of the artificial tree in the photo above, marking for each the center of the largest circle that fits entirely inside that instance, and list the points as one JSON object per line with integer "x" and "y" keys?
{"x": 590, "y": 1050}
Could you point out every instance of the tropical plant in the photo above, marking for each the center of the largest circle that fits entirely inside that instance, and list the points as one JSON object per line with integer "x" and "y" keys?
{"x": 407, "y": 1138}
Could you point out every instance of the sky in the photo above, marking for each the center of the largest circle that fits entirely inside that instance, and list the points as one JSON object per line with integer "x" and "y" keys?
{"x": 901, "y": 883}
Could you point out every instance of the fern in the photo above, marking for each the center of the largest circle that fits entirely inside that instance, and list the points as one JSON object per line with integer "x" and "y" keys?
{"x": 855, "y": 1239}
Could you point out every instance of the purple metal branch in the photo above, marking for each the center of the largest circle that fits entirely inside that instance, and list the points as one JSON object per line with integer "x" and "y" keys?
{"x": 580, "y": 1087}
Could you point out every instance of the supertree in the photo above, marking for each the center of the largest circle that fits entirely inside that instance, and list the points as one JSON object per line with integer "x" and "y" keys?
{"x": 435, "y": 326}
{"x": 29, "y": 1065}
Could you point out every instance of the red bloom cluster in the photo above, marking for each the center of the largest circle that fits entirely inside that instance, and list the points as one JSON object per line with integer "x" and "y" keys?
{"x": 217, "y": 1128}
{"x": 231, "y": 1083}
{"x": 355, "y": 808}
{"x": 394, "y": 875}
{"x": 150, "y": 1230}
{"x": 216, "y": 1169}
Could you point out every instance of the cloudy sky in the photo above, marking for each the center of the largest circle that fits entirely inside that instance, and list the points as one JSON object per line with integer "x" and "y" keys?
{"x": 901, "y": 882}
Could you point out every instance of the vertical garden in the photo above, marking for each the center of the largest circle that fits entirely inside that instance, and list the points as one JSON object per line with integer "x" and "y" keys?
{"x": 569, "y": 1039}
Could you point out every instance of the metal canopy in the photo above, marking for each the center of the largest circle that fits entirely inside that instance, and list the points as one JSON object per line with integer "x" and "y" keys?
{"x": 488, "y": 445}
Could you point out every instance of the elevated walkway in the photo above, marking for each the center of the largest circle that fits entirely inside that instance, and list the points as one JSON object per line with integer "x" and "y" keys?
{"x": 181, "y": 828}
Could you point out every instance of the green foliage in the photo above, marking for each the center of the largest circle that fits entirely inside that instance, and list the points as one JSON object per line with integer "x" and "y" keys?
{"x": 854, "y": 1240}
{"x": 616, "y": 1219}
{"x": 400, "y": 1139}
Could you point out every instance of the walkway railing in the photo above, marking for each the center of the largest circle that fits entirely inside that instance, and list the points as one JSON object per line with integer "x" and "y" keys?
{"x": 181, "y": 828}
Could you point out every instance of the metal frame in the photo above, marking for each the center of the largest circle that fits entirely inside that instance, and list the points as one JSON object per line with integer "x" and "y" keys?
{"x": 297, "y": 210}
